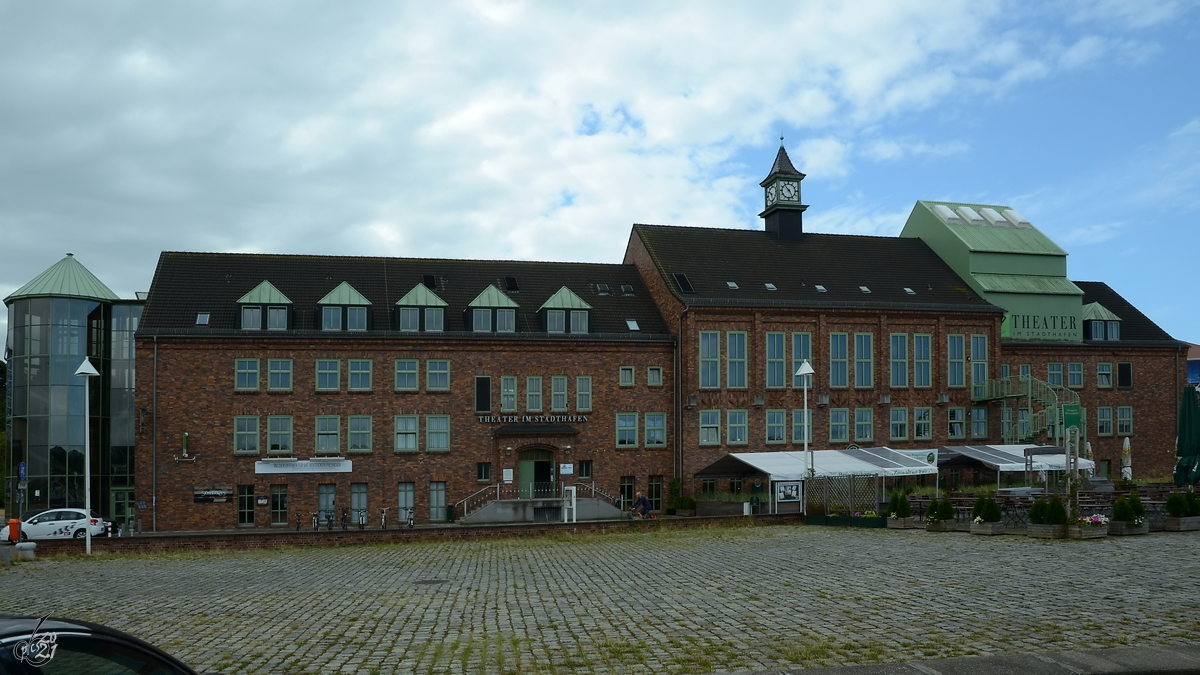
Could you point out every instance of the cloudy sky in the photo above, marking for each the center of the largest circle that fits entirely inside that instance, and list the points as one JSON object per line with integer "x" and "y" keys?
{"x": 543, "y": 130}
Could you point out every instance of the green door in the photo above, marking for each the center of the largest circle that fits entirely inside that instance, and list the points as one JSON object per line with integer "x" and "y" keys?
{"x": 120, "y": 505}
{"x": 535, "y": 474}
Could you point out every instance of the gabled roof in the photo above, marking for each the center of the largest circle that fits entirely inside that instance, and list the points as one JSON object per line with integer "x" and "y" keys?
{"x": 265, "y": 294}
{"x": 492, "y": 297}
{"x": 1011, "y": 233}
{"x": 1094, "y": 311}
{"x": 888, "y": 267}
{"x": 67, "y": 278}
{"x": 564, "y": 299}
{"x": 344, "y": 294}
{"x": 421, "y": 296}
{"x": 1135, "y": 326}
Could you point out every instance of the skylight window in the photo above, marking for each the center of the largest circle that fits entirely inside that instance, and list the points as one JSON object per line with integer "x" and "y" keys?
{"x": 820, "y": 288}
{"x": 202, "y": 319}
{"x": 771, "y": 287}
{"x": 732, "y": 285}
{"x": 681, "y": 280}
{"x": 632, "y": 323}
{"x": 864, "y": 289}
{"x": 994, "y": 218}
{"x": 429, "y": 281}
{"x": 1017, "y": 219}
{"x": 510, "y": 284}
{"x": 945, "y": 212}
{"x": 909, "y": 291}
{"x": 603, "y": 289}
{"x": 970, "y": 215}
{"x": 627, "y": 289}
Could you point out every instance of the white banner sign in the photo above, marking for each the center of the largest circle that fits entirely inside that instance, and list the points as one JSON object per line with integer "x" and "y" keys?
{"x": 305, "y": 466}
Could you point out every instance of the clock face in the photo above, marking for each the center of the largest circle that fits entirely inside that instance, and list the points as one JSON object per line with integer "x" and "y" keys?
{"x": 770, "y": 194}
{"x": 789, "y": 191}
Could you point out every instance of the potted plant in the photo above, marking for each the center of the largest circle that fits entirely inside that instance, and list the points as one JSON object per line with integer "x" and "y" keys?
{"x": 1183, "y": 512}
{"x": 683, "y": 506}
{"x": 989, "y": 519}
{"x": 867, "y": 519}
{"x": 1124, "y": 521}
{"x": 938, "y": 515}
{"x": 1088, "y": 527}
{"x": 1047, "y": 520}
{"x": 900, "y": 512}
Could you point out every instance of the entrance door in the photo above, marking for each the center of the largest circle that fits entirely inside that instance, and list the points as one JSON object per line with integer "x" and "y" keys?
{"x": 327, "y": 502}
{"x": 535, "y": 474}
{"x": 120, "y": 505}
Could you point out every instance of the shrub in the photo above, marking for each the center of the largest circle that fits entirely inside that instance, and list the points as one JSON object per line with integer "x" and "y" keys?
{"x": 1122, "y": 511}
{"x": 977, "y": 509}
{"x": 899, "y": 506}
{"x": 1193, "y": 503}
{"x": 1056, "y": 513}
{"x": 1177, "y": 506}
{"x": 991, "y": 512}
{"x": 1037, "y": 512}
{"x": 945, "y": 509}
{"x": 1135, "y": 503}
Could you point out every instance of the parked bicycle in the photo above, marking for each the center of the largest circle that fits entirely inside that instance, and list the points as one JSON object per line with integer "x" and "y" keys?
{"x": 362, "y": 519}
{"x": 383, "y": 518}
{"x": 410, "y": 519}
{"x": 316, "y": 520}
{"x": 345, "y": 518}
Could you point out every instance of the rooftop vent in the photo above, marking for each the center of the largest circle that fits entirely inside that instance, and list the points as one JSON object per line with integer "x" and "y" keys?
{"x": 429, "y": 281}
{"x": 602, "y": 289}
{"x": 864, "y": 289}
{"x": 632, "y": 323}
{"x": 510, "y": 285}
{"x": 682, "y": 282}
{"x": 771, "y": 287}
{"x": 732, "y": 285}
{"x": 202, "y": 319}
{"x": 820, "y": 288}
{"x": 626, "y": 289}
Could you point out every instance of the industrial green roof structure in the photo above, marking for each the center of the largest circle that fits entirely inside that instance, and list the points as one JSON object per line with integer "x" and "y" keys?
{"x": 67, "y": 278}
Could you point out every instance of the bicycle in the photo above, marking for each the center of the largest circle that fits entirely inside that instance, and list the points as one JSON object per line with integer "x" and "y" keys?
{"x": 345, "y": 519}
{"x": 362, "y": 519}
{"x": 316, "y": 520}
{"x": 410, "y": 519}
{"x": 383, "y": 518}
{"x": 329, "y": 520}
{"x": 297, "y": 521}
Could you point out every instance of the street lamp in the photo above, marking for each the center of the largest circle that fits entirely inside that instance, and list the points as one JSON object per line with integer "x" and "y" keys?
{"x": 87, "y": 371}
{"x": 804, "y": 371}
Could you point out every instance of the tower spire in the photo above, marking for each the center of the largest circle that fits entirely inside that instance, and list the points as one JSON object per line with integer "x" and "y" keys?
{"x": 784, "y": 214}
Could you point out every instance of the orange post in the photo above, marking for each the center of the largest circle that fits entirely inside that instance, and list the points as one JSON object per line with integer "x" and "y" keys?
{"x": 14, "y": 530}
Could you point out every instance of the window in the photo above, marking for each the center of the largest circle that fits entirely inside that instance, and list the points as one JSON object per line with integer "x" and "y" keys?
{"x": 1075, "y": 375}
{"x": 329, "y": 375}
{"x": 956, "y": 422}
{"x": 508, "y": 394}
{"x": 736, "y": 485}
{"x": 801, "y": 352}
{"x": 358, "y": 503}
{"x": 1124, "y": 375}
{"x": 437, "y": 375}
{"x": 899, "y": 359}
{"x": 1125, "y": 420}
{"x": 654, "y": 376}
{"x": 654, "y": 492}
{"x": 922, "y": 424}
{"x": 483, "y": 472}
{"x": 710, "y": 359}
{"x": 279, "y": 505}
{"x": 864, "y": 361}
{"x": 359, "y": 433}
{"x": 247, "y": 374}
{"x": 1054, "y": 374}
{"x": 1097, "y": 330}
{"x": 481, "y": 320}
{"x": 356, "y": 318}
{"x": 1023, "y": 415}
{"x": 837, "y": 360}
{"x": 864, "y": 424}
{"x": 245, "y": 505}
{"x": 710, "y": 427}
{"x": 979, "y": 365}
{"x": 406, "y": 374}
{"x": 556, "y": 321}
{"x": 360, "y": 375}
{"x": 579, "y": 321}
{"x": 437, "y": 433}
{"x": 775, "y": 361}
{"x": 245, "y": 434}
{"x": 922, "y": 361}
{"x": 533, "y": 394}
{"x": 326, "y": 498}
{"x": 1114, "y": 330}
{"x": 483, "y": 393}
{"x": 776, "y": 426}
{"x": 1005, "y": 370}
{"x": 839, "y": 425}
{"x": 584, "y": 469}
{"x": 329, "y": 433}
{"x": 1006, "y": 422}
{"x": 627, "y": 489}
{"x": 279, "y": 374}
{"x": 736, "y": 427}
{"x": 899, "y": 424}
{"x": 979, "y": 423}
{"x": 410, "y": 319}
{"x": 583, "y": 393}
{"x": 626, "y": 430}
{"x": 708, "y": 485}
{"x": 434, "y": 319}
{"x": 558, "y": 393}
{"x": 277, "y": 320}
{"x": 1104, "y": 421}
{"x": 406, "y": 433}
{"x": 656, "y": 429}
{"x": 437, "y": 500}
{"x": 405, "y": 499}
{"x": 955, "y": 374}
{"x": 506, "y": 321}
{"x": 1104, "y": 375}
{"x": 331, "y": 318}
{"x": 626, "y": 376}
{"x": 279, "y": 434}
{"x": 251, "y": 318}
{"x": 736, "y": 342}
{"x": 801, "y": 425}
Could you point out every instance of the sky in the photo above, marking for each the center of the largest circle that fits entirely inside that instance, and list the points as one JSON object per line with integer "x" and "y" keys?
{"x": 543, "y": 130}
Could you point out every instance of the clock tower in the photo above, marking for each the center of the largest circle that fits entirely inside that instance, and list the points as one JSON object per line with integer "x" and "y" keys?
{"x": 784, "y": 214}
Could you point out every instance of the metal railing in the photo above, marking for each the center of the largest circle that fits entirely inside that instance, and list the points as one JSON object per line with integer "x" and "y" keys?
{"x": 501, "y": 491}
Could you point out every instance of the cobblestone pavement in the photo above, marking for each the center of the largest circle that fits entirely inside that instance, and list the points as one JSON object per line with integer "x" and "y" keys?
{"x": 663, "y": 601}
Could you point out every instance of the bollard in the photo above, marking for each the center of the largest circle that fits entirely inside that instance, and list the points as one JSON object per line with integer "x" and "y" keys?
{"x": 14, "y": 530}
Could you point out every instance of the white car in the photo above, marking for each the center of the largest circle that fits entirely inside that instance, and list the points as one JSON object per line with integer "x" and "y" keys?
{"x": 59, "y": 524}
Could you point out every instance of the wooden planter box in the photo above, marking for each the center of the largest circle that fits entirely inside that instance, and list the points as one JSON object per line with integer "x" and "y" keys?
{"x": 1184, "y": 524}
{"x": 1087, "y": 532}
{"x": 1120, "y": 528}
{"x": 1046, "y": 531}
{"x": 938, "y": 526}
{"x": 987, "y": 528}
{"x": 868, "y": 521}
{"x": 712, "y": 508}
{"x": 909, "y": 523}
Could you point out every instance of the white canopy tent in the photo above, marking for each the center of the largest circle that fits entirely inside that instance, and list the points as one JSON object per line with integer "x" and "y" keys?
{"x": 1010, "y": 458}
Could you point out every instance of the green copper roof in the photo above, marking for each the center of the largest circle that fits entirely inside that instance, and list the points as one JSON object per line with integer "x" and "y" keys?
{"x": 67, "y": 278}
{"x": 1026, "y": 283}
{"x": 492, "y": 297}
{"x": 565, "y": 299}
{"x": 344, "y": 294}
{"x": 421, "y": 296}
{"x": 1094, "y": 311}
{"x": 1009, "y": 233}
{"x": 265, "y": 294}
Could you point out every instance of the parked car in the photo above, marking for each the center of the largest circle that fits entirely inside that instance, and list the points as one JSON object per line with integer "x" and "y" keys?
{"x": 31, "y": 645}
{"x": 58, "y": 524}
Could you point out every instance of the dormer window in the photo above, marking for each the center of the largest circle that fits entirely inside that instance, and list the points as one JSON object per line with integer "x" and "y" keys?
{"x": 563, "y": 306}
{"x": 579, "y": 321}
{"x": 420, "y": 309}
{"x": 410, "y": 319}
{"x": 435, "y": 320}
{"x": 251, "y": 317}
{"x": 506, "y": 320}
{"x": 492, "y": 310}
{"x": 264, "y": 298}
{"x": 481, "y": 320}
{"x": 345, "y": 308}
{"x": 331, "y": 318}
{"x": 556, "y": 321}
{"x": 277, "y": 318}
{"x": 1104, "y": 325}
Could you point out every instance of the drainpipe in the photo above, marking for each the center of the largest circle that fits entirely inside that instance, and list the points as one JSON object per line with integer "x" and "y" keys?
{"x": 154, "y": 446}
{"x": 679, "y": 397}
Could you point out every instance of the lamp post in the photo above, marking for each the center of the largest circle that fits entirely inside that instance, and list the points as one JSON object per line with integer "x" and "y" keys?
{"x": 87, "y": 371}
{"x": 804, "y": 371}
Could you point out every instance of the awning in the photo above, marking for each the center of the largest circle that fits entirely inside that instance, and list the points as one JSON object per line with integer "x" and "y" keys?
{"x": 1007, "y": 458}
{"x": 786, "y": 466}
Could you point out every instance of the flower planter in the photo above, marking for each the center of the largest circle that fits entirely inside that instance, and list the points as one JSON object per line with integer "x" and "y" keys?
{"x": 909, "y": 523}
{"x": 987, "y": 528}
{"x": 1046, "y": 531}
{"x": 1087, "y": 531}
{"x": 868, "y": 521}
{"x": 1119, "y": 528}
{"x": 719, "y": 508}
{"x": 937, "y": 526}
{"x": 1184, "y": 524}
